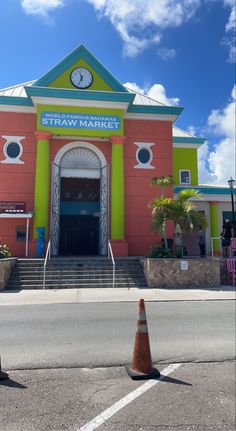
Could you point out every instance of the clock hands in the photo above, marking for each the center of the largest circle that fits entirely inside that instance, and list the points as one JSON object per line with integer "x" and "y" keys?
{"x": 81, "y": 77}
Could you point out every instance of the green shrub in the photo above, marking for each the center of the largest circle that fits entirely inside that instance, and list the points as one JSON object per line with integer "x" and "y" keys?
{"x": 4, "y": 251}
{"x": 159, "y": 251}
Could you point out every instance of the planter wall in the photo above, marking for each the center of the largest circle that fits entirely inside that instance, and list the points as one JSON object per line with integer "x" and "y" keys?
{"x": 182, "y": 273}
{"x": 6, "y": 266}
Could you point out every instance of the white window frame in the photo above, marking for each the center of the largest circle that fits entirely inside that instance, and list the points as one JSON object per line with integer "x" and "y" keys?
{"x": 180, "y": 173}
{"x": 10, "y": 140}
{"x": 146, "y": 146}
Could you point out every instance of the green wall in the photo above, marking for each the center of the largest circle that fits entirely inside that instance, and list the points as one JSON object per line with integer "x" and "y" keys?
{"x": 41, "y": 195}
{"x": 117, "y": 192}
{"x": 214, "y": 225}
{"x": 185, "y": 159}
{"x": 63, "y": 81}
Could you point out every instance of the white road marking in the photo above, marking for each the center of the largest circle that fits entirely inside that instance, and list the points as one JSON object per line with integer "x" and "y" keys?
{"x": 108, "y": 413}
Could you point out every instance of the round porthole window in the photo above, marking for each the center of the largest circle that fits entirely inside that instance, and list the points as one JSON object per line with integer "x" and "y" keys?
{"x": 13, "y": 150}
{"x": 144, "y": 156}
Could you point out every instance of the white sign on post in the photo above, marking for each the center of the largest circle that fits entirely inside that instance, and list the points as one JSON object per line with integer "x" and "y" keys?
{"x": 184, "y": 265}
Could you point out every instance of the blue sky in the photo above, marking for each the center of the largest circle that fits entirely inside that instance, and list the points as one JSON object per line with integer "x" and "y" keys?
{"x": 180, "y": 52}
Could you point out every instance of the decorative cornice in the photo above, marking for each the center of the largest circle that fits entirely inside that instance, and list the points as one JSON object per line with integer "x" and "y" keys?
{"x": 149, "y": 117}
{"x": 173, "y": 111}
{"x": 15, "y": 100}
{"x": 78, "y": 103}
{"x": 193, "y": 146}
{"x": 205, "y": 190}
{"x": 188, "y": 140}
{"x": 154, "y": 109}
{"x": 79, "y": 94}
{"x": 18, "y": 109}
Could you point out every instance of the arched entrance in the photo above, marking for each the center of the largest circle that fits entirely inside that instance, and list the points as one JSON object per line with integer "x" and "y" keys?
{"x": 79, "y": 201}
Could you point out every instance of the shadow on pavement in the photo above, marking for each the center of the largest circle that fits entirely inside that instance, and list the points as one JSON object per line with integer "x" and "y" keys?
{"x": 168, "y": 379}
{"x": 12, "y": 384}
{"x": 6, "y": 290}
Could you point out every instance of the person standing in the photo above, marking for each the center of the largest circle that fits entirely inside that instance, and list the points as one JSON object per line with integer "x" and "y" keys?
{"x": 226, "y": 235}
{"x": 202, "y": 242}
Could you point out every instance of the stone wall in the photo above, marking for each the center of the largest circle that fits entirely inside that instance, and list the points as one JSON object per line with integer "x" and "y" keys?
{"x": 182, "y": 273}
{"x": 223, "y": 272}
{"x": 6, "y": 266}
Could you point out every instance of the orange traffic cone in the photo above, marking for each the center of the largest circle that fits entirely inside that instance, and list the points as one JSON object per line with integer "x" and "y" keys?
{"x": 3, "y": 375}
{"x": 141, "y": 366}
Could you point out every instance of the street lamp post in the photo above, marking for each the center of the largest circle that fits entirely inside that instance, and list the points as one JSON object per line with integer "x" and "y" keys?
{"x": 231, "y": 183}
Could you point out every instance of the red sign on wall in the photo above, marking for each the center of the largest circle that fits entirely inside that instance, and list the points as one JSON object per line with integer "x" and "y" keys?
{"x": 12, "y": 207}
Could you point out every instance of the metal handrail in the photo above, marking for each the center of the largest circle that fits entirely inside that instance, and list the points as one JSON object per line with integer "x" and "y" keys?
{"x": 47, "y": 257}
{"x": 110, "y": 254}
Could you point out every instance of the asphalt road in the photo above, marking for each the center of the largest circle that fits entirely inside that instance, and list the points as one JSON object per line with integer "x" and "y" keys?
{"x": 193, "y": 397}
{"x": 93, "y": 335}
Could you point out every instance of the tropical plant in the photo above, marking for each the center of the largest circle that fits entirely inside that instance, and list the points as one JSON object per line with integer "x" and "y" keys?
{"x": 181, "y": 211}
{"x": 4, "y": 251}
{"x": 160, "y": 252}
{"x": 164, "y": 183}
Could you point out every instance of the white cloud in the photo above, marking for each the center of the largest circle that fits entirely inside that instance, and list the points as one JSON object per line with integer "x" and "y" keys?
{"x": 229, "y": 41}
{"x": 156, "y": 92}
{"x": 41, "y": 7}
{"x": 222, "y": 160}
{"x": 140, "y": 23}
{"x": 204, "y": 175}
{"x": 217, "y": 165}
{"x": 166, "y": 53}
{"x": 192, "y": 130}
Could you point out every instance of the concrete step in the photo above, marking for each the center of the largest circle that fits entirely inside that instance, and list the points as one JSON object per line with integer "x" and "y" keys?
{"x": 79, "y": 279}
{"x": 71, "y": 285}
{"x": 77, "y": 272}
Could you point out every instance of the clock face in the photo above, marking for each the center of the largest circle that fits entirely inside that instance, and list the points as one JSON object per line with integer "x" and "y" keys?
{"x": 81, "y": 77}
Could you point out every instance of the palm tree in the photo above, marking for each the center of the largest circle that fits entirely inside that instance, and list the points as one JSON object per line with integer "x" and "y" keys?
{"x": 162, "y": 209}
{"x": 163, "y": 204}
{"x": 181, "y": 211}
{"x": 163, "y": 182}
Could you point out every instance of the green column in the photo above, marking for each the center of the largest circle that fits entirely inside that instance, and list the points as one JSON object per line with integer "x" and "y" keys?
{"x": 117, "y": 188}
{"x": 42, "y": 176}
{"x": 214, "y": 225}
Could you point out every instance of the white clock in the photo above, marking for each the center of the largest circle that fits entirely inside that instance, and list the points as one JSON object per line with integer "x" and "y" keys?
{"x": 81, "y": 77}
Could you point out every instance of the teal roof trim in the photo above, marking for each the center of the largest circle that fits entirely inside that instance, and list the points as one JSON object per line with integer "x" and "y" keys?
{"x": 153, "y": 109}
{"x": 79, "y": 94}
{"x": 211, "y": 190}
{"x": 80, "y": 52}
{"x": 15, "y": 101}
{"x": 190, "y": 140}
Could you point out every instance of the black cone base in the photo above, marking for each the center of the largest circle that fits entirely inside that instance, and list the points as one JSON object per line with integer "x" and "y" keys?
{"x": 3, "y": 375}
{"x": 135, "y": 375}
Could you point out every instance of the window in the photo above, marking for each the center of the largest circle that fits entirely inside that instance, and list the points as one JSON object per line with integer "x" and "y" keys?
{"x": 144, "y": 155}
{"x": 13, "y": 149}
{"x": 21, "y": 233}
{"x": 184, "y": 177}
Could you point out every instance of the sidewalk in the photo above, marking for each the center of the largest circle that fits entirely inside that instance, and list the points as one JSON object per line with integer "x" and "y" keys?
{"x": 65, "y": 296}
